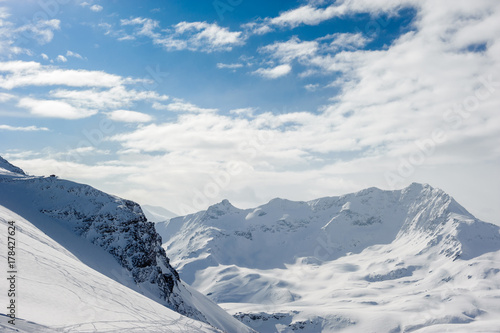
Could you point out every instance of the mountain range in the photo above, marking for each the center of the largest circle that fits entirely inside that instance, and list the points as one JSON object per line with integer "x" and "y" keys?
{"x": 410, "y": 260}
{"x": 371, "y": 261}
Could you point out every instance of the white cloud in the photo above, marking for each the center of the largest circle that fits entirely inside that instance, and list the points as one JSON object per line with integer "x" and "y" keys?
{"x": 23, "y": 129}
{"x": 346, "y": 41}
{"x": 306, "y": 15}
{"x": 7, "y": 35}
{"x": 274, "y": 72}
{"x": 54, "y": 109}
{"x": 44, "y": 56}
{"x": 73, "y": 54}
{"x": 95, "y": 8}
{"x": 61, "y": 58}
{"x": 147, "y": 26}
{"x": 291, "y": 49}
{"x": 129, "y": 116}
{"x": 315, "y": 13}
{"x": 311, "y": 86}
{"x": 181, "y": 106}
{"x": 229, "y": 66}
{"x": 194, "y": 36}
{"x": 42, "y": 31}
{"x": 4, "y": 97}
{"x": 208, "y": 36}
{"x": 22, "y": 73}
{"x": 243, "y": 111}
{"x": 113, "y": 98}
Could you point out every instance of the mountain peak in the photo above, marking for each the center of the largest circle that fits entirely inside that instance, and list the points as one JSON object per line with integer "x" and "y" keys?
{"x": 219, "y": 209}
{"x": 4, "y": 164}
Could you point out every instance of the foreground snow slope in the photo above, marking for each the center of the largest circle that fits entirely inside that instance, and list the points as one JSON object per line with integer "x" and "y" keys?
{"x": 380, "y": 261}
{"x": 110, "y": 236}
{"x": 57, "y": 289}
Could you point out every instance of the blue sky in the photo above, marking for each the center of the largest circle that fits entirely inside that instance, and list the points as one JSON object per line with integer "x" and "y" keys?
{"x": 181, "y": 104}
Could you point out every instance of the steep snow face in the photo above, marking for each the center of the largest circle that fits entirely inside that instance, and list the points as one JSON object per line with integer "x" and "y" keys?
{"x": 290, "y": 266}
{"x": 117, "y": 226}
{"x": 58, "y": 291}
{"x": 8, "y": 169}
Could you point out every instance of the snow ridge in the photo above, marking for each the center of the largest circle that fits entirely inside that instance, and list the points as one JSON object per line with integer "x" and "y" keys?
{"x": 6, "y": 166}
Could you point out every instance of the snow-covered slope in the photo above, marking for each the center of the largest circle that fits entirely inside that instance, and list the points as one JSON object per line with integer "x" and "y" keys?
{"x": 82, "y": 233}
{"x": 381, "y": 261}
{"x": 57, "y": 290}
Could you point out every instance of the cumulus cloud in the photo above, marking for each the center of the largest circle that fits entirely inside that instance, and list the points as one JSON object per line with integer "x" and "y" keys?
{"x": 274, "y": 72}
{"x": 54, "y": 109}
{"x": 311, "y": 86}
{"x": 61, "y": 58}
{"x": 129, "y": 116}
{"x": 30, "y": 73}
{"x": 291, "y": 49}
{"x": 347, "y": 41}
{"x": 194, "y": 36}
{"x": 96, "y": 8}
{"x": 73, "y": 54}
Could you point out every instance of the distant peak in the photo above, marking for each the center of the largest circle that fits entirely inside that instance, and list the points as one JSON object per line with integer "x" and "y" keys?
{"x": 4, "y": 164}
{"x": 221, "y": 208}
{"x": 226, "y": 202}
{"x": 223, "y": 203}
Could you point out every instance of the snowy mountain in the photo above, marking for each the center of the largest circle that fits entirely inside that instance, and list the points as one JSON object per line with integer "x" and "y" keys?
{"x": 83, "y": 251}
{"x": 378, "y": 261}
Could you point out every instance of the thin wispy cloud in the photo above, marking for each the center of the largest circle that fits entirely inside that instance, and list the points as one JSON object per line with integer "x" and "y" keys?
{"x": 180, "y": 105}
{"x": 229, "y": 66}
{"x": 22, "y": 128}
